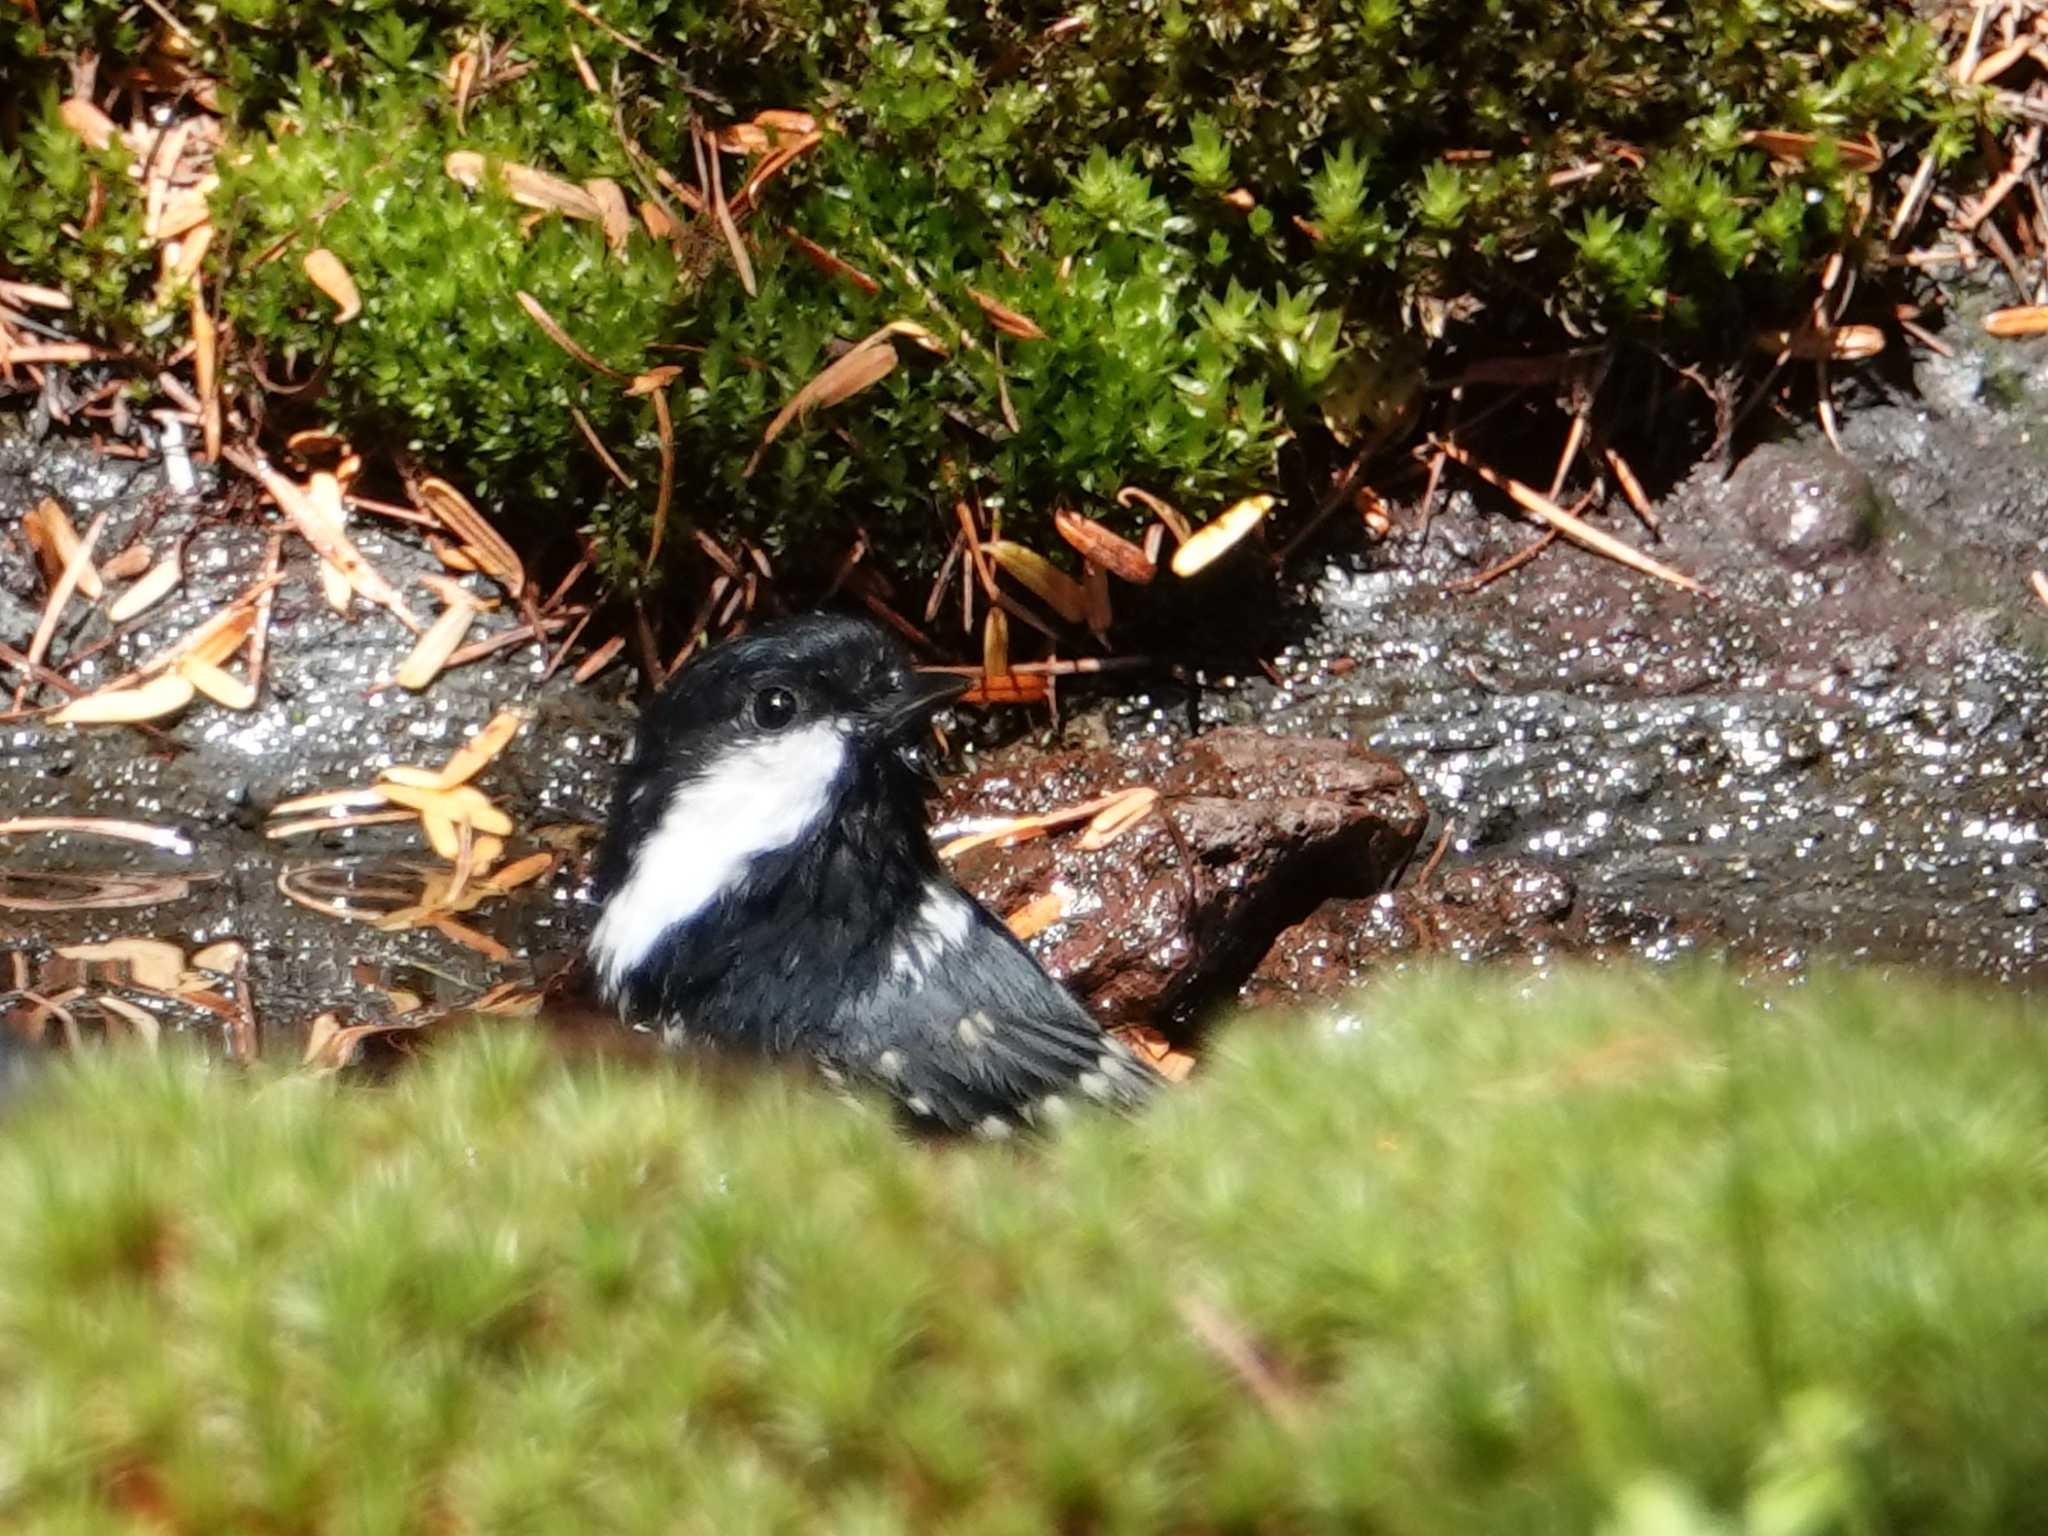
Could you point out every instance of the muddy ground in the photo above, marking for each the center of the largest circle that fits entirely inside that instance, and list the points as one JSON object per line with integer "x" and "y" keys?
{"x": 1843, "y": 752}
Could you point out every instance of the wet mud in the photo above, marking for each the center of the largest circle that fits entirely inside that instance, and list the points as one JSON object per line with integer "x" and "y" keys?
{"x": 1842, "y": 752}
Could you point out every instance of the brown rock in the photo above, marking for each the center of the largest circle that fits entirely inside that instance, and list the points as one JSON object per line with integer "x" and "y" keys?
{"x": 1252, "y": 832}
{"x": 1511, "y": 909}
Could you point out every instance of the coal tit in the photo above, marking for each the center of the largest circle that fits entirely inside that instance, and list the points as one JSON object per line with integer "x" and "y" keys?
{"x": 768, "y": 884}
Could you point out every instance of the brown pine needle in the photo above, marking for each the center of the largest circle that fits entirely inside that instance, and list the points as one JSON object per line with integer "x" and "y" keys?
{"x": 1578, "y": 531}
{"x": 597, "y": 447}
{"x": 170, "y": 839}
{"x": 666, "y": 489}
{"x": 721, "y": 215}
{"x": 67, "y": 583}
{"x": 1514, "y": 562}
{"x": 1632, "y": 488}
{"x": 561, "y": 338}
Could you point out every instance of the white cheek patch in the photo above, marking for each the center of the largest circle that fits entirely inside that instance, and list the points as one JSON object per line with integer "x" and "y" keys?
{"x": 755, "y": 800}
{"x": 942, "y": 923}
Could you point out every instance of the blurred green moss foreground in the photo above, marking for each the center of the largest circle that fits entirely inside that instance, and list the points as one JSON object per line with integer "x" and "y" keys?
{"x": 1637, "y": 1254}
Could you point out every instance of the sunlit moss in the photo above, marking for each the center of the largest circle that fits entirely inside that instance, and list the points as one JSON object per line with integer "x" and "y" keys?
{"x": 1327, "y": 170}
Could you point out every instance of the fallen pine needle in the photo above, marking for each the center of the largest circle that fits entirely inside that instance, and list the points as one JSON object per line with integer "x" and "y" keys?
{"x": 1037, "y": 915}
{"x": 322, "y": 532}
{"x": 306, "y": 824}
{"x": 560, "y": 337}
{"x": 160, "y": 696}
{"x": 75, "y": 566}
{"x": 600, "y": 658}
{"x": 170, "y": 839}
{"x": 1580, "y": 532}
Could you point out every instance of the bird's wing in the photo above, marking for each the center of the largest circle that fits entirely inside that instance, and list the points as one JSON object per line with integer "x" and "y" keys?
{"x": 980, "y": 1039}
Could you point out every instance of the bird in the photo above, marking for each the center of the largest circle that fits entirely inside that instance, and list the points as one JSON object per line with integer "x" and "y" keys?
{"x": 767, "y": 885}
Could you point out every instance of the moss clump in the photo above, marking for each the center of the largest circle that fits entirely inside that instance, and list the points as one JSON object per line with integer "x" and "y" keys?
{"x": 1632, "y": 1254}
{"x": 1227, "y": 219}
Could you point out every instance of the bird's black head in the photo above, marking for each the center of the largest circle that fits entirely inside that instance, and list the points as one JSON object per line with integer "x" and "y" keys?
{"x": 819, "y": 671}
{"x": 771, "y": 767}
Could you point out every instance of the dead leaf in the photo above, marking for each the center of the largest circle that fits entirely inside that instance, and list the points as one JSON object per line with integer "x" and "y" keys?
{"x": 460, "y": 804}
{"x": 220, "y": 957}
{"x": 1060, "y": 592}
{"x": 1157, "y": 1052}
{"x": 468, "y": 760}
{"x": 77, "y": 567}
{"x": 1112, "y": 551}
{"x": 1037, "y": 915}
{"x": 205, "y": 377}
{"x": 483, "y": 543}
{"x": 1573, "y": 528}
{"x": 995, "y": 643}
{"x": 2022, "y": 320}
{"x": 88, "y": 122}
{"x": 328, "y": 274}
{"x": 830, "y": 263}
{"x": 654, "y": 378}
{"x": 1005, "y": 319}
{"x": 136, "y": 1017}
{"x": 599, "y": 659}
{"x": 521, "y": 872}
{"x": 433, "y": 648}
{"x": 1017, "y": 688}
{"x": 153, "y": 963}
{"x": 127, "y": 565}
{"x": 316, "y": 510}
{"x": 152, "y": 589}
{"x": 657, "y": 222}
{"x": 221, "y": 638}
{"x": 170, "y": 839}
{"x": 1209, "y": 542}
{"x": 560, "y": 337}
{"x": 441, "y": 835}
{"x": 1118, "y": 817}
{"x": 161, "y": 696}
{"x": 222, "y": 687}
{"x": 1798, "y": 148}
{"x": 54, "y": 540}
{"x": 613, "y": 215}
{"x": 1167, "y": 513}
{"x": 867, "y": 363}
{"x": 1846, "y": 343}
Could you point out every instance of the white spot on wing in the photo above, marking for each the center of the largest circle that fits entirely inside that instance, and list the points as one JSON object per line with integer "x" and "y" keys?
{"x": 756, "y": 799}
{"x": 976, "y": 1029}
{"x": 943, "y": 922}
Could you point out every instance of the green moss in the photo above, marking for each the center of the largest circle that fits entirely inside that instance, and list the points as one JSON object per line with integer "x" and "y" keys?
{"x": 1630, "y": 1253}
{"x": 1398, "y": 153}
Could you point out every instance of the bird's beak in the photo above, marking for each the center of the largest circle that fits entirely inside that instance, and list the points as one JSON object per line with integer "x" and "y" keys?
{"x": 922, "y": 695}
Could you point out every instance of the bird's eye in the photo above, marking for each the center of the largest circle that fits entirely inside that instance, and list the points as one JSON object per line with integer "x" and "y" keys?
{"x": 774, "y": 708}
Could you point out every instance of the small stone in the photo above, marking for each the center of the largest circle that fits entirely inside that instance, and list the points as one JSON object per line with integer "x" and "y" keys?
{"x": 1808, "y": 505}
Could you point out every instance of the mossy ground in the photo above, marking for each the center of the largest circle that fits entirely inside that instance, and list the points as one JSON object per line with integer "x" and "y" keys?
{"x": 1641, "y": 1253}
{"x": 1237, "y": 226}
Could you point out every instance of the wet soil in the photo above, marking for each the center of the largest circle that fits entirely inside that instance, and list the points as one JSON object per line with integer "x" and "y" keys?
{"x": 1842, "y": 752}
{"x": 328, "y": 717}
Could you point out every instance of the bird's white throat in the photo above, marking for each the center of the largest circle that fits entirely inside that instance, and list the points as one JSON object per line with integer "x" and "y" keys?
{"x": 753, "y": 801}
